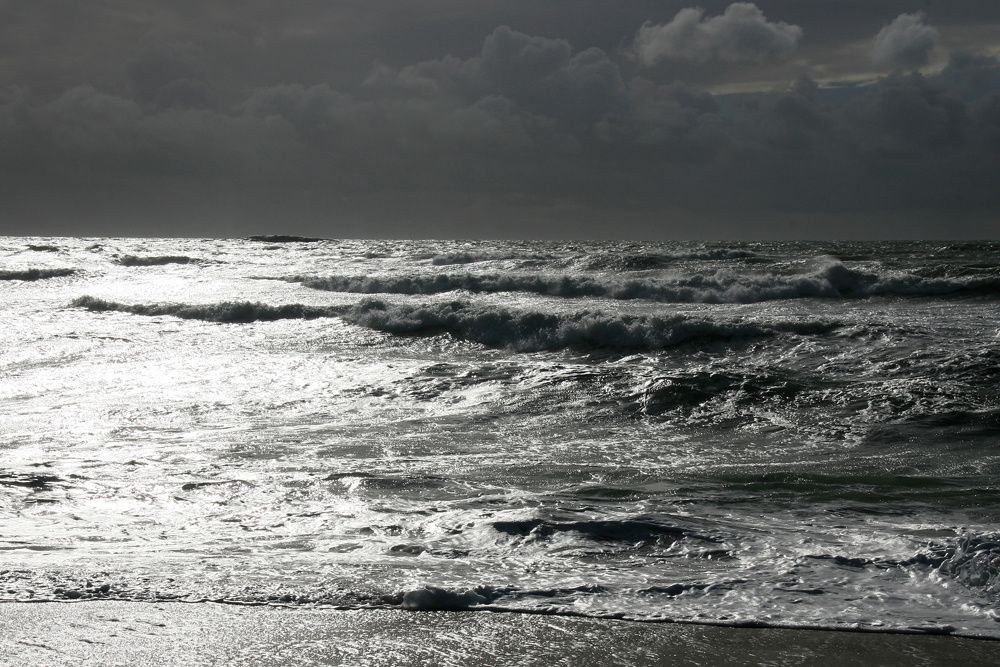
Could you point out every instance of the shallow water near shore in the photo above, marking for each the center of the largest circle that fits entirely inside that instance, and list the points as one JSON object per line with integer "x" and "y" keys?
{"x": 788, "y": 434}
{"x": 125, "y": 633}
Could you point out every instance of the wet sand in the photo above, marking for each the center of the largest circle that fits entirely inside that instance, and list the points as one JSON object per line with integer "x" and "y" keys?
{"x": 124, "y": 633}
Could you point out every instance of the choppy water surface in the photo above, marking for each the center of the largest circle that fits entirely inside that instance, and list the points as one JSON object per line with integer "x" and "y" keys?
{"x": 790, "y": 434}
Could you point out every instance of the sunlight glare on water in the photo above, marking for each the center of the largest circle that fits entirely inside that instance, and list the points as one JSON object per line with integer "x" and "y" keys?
{"x": 720, "y": 433}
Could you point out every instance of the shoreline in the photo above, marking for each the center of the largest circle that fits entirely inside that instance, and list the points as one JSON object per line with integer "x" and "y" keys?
{"x": 750, "y": 624}
{"x": 112, "y": 632}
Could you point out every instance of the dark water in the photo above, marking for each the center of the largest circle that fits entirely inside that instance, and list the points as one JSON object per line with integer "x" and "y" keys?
{"x": 781, "y": 433}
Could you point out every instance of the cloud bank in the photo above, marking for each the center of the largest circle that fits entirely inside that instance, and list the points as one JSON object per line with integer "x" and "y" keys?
{"x": 523, "y": 134}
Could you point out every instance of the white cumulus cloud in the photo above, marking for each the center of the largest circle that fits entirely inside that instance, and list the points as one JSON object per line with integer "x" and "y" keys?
{"x": 906, "y": 43}
{"x": 742, "y": 34}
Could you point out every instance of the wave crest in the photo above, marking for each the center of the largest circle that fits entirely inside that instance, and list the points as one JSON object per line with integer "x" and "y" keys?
{"x": 832, "y": 280}
{"x": 533, "y": 330}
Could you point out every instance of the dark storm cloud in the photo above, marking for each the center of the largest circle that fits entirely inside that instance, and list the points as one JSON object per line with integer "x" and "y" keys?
{"x": 164, "y": 75}
{"x": 517, "y": 134}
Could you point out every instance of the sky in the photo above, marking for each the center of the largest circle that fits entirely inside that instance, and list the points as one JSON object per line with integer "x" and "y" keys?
{"x": 637, "y": 119}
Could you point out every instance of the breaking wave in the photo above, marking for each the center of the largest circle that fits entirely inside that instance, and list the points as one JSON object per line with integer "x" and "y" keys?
{"x": 974, "y": 561}
{"x": 833, "y": 280}
{"x": 36, "y": 274}
{"x": 533, "y": 330}
{"x": 136, "y": 260}
{"x": 491, "y": 326}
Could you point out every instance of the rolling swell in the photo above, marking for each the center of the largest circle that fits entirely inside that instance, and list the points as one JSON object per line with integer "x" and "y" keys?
{"x": 660, "y": 395}
{"x": 606, "y": 530}
{"x": 35, "y": 274}
{"x": 832, "y": 280}
{"x": 469, "y": 257}
{"x": 565, "y": 286}
{"x": 136, "y": 260}
{"x": 487, "y": 325}
{"x": 283, "y": 238}
{"x": 229, "y": 312}
{"x": 643, "y": 261}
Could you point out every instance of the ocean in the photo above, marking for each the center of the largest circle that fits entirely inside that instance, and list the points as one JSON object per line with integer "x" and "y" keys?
{"x": 767, "y": 434}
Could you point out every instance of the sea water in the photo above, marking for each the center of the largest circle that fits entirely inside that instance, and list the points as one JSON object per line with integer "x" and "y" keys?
{"x": 785, "y": 434}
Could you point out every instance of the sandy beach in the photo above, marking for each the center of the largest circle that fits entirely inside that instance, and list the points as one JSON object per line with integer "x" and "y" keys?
{"x": 125, "y": 633}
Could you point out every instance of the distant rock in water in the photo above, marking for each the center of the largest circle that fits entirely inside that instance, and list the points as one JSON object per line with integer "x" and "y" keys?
{"x": 135, "y": 260}
{"x": 44, "y": 248}
{"x": 36, "y": 274}
{"x": 283, "y": 238}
